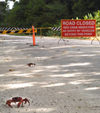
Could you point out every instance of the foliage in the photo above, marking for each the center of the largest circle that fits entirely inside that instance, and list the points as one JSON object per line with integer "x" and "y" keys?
{"x": 2, "y": 11}
{"x": 54, "y": 32}
{"x": 38, "y": 12}
{"x": 46, "y": 13}
{"x": 95, "y": 15}
{"x": 10, "y": 0}
{"x": 83, "y": 7}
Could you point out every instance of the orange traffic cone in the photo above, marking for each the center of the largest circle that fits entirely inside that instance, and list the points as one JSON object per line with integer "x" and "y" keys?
{"x": 33, "y": 36}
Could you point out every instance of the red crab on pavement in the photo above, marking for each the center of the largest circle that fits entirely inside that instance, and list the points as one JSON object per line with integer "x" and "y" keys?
{"x": 20, "y": 101}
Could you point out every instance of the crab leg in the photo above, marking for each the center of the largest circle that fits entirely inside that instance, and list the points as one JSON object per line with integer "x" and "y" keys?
{"x": 21, "y": 102}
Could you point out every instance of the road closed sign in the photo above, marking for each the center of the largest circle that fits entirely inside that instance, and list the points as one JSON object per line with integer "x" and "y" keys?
{"x": 78, "y": 28}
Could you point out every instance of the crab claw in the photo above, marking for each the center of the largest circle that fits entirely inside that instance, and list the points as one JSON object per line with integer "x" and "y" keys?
{"x": 26, "y": 100}
{"x": 8, "y": 102}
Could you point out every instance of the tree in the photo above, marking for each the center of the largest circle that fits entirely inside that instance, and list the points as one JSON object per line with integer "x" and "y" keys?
{"x": 2, "y": 11}
{"x": 38, "y": 12}
{"x": 10, "y": 0}
{"x": 16, "y": 16}
{"x": 48, "y": 12}
{"x": 82, "y": 7}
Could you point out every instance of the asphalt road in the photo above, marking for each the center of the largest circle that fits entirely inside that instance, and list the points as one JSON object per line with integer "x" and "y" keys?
{"x": 64, "y": 79}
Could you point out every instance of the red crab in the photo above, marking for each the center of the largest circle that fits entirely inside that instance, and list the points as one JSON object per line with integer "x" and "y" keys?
{"x": 20, "y": 101}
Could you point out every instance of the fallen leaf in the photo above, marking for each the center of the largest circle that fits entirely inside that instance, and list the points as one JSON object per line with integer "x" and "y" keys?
{"x": 11, "y": 69}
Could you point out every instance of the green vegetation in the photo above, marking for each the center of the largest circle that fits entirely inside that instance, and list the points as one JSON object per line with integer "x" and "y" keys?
{"x": 2, "y": 12}
{"x": 44, "y": 13}
{"x": 95, "y": 15}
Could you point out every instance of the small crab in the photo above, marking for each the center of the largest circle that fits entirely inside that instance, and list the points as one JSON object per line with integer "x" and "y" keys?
{"x": 20, "y": 101}
{"x": 31, "y": 64}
